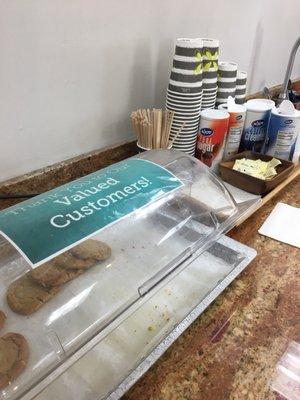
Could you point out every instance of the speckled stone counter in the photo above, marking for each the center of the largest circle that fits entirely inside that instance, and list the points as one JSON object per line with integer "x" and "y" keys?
{"x": 231, "y": 351}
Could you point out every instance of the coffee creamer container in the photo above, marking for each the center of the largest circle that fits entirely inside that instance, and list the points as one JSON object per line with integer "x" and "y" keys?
{"x": 236, "y": 123}
{"x": 211, "y": 136}
{"x": 284, "y": 127}
{"x": 256, "y": 124}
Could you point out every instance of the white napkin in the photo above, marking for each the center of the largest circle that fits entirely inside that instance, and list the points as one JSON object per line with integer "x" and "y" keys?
{"x": 283, "y": 224}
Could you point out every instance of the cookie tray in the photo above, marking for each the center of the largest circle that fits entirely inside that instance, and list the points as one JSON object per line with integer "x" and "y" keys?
{"x": 150, "y": 246}
{"x": 110, "y": 364}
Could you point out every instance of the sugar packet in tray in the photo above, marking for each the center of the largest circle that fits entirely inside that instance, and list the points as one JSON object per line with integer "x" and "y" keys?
{"x": 257, "y": 168}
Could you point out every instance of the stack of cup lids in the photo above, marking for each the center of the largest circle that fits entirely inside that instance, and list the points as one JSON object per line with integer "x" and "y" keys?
{"x": 226, "y": 81}
{"x": 184, "y": 94}
{"x": 241, "y": 81}
{"x": 210, "y": 72}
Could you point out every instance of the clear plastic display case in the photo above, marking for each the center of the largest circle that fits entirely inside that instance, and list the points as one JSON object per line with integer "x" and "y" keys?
{"x": 154, "y": 245}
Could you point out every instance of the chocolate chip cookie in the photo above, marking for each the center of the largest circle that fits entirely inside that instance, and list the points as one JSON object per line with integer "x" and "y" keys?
{"x": 70, "y": 264}
{"x": 53, "y": 274}
{"x": 25, "y": 295}
{"x": 68, "y": 261}
{"x": 2, "y": 319}
{"x": 91, "y": 250}
{"x": 13, "y": 357}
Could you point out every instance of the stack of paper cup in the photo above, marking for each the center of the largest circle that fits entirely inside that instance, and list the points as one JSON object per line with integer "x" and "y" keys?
{"x": 237, "y": 114}
{"x": 184, "y": 94}
{"x": 226, "y": 81}
{"x": 241, "y": 82}
{"x": 256, "y": 124}
{"x": 210, "y": 72}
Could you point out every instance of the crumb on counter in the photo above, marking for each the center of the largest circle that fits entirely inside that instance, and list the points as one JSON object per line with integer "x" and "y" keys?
{"x": 151, "y": 328}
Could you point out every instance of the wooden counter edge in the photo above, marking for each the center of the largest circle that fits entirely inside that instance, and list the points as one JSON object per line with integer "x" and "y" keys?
{"x": 273, "y": 193}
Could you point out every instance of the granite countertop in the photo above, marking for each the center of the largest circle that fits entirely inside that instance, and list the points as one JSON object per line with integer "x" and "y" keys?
{"x": 232, "y": 350}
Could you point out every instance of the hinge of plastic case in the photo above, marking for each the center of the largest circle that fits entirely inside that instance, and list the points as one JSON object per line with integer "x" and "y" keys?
{"x": 214, "y": 219}
{"x": 178, "y": 261}
{"x": 209, "y": 243}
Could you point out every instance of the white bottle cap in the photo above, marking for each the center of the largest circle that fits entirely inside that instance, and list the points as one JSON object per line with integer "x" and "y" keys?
{"x": 212, "y": 114}
{"x": 260, "y": 105}
{"x": 231, "y": 106}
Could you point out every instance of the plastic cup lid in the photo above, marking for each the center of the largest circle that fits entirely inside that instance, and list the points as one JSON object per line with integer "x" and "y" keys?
{"x": 286, "y": 109}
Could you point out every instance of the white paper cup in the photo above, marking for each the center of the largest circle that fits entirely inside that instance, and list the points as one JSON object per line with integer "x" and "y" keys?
{"x": 142, "y": 149}
{"x": 186, "y": 101}
{"x": 188, "y": 123}
{"x": 191, "y": 94}
{"x": 188, "y": 148}
{"x": 208, "y": 107}
{"x": 207, "y": 92}
{"x": 185, "y": 136}
{"x": 186, "y": 117}
{"x": 186, "y": 129}
{"x": 208, "y": 98}
{"x": 185, "y": 144}
{"x": 184, "y": 108}
{"x": 208, "y": 102}
{"x": 178, "y": 107}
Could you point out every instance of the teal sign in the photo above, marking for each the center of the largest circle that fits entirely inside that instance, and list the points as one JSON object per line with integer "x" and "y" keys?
{"x": 45, "y": 225}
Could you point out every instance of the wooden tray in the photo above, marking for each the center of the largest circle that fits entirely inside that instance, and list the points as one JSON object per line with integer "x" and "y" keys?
{"x": 250, "y": 183}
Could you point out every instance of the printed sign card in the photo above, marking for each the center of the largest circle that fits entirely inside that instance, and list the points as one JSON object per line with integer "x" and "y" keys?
{"x": 48, "y": 224}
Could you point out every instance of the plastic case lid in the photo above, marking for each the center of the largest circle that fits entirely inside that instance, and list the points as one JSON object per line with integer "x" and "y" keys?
{"x": 147, "y": 244}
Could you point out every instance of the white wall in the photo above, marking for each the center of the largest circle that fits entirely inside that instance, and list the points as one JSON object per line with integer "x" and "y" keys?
{"x": 72, "y": 71}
